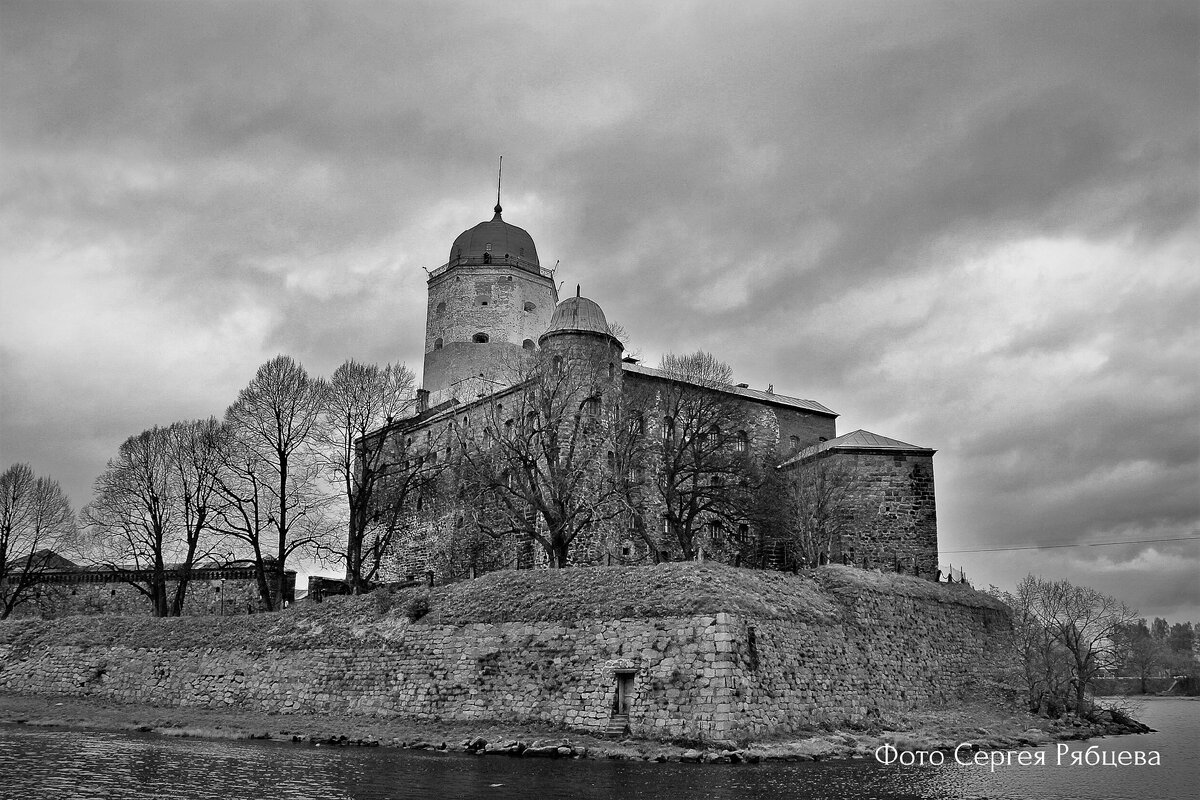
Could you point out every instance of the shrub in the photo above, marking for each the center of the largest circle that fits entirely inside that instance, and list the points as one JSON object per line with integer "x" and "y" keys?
{"x": 417, "y": 606}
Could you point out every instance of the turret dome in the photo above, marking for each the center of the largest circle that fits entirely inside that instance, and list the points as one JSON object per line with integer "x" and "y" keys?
{"x": 497, "y": 240}
{"x": 578, "y": 314}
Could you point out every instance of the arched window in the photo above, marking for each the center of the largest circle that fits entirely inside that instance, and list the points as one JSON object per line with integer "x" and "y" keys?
{"x": 591, "y": 407}
{"x": 527, "y": 344}
{"x": 437, "y": 343}
{"x": 612, "y": 461}
{"x": 441, "y": 308}
{"x": 743, "y": 533}
{"x": 668, "y": 430}
{"x": 742, "y": 442}
{"x": 794, "y": 442}
{"x": 612, "y": 370}
{"x": 558, "y": 364}
{"x": 480, "y": 338}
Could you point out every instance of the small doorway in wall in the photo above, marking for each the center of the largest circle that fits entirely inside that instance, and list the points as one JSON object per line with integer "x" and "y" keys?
{"x": 618, "y": 722}
{"x": 624, "y": 693}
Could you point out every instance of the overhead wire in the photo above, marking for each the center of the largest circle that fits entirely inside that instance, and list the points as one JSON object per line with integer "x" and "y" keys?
{"x": 1078, "y": 544}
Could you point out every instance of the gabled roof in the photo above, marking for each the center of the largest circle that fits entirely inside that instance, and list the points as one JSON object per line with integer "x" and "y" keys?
{"x": 857, "y": 440}
{"x": 741, "y": 391}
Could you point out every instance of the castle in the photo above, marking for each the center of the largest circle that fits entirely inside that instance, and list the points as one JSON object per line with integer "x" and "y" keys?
{"x": 537, "y": 442}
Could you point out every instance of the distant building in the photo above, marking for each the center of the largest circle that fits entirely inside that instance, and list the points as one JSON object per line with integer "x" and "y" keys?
{"x": 493, "y": 308}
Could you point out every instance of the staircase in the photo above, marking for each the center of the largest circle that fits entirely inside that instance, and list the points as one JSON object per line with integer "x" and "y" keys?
{"x": 618, "y": 725}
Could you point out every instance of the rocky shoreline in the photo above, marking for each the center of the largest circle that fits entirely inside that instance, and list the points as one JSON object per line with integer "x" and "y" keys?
{"x": 980, "y": 728}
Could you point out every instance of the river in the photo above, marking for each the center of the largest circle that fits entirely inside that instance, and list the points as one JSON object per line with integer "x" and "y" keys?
{"x": 45, "y": 763}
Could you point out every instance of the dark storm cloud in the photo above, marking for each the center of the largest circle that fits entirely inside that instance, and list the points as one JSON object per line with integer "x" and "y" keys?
{"x": 891, "y": 208}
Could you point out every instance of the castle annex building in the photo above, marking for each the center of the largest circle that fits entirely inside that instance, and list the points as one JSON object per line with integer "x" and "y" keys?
{"x": 537, "y": 442}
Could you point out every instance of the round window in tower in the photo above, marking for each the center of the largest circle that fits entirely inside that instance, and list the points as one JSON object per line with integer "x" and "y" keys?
{"x": 530, "y": 307}
{"x": 480, "y": 338}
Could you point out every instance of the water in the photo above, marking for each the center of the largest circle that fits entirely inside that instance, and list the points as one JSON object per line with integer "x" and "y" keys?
{"x": 41, "y": 763}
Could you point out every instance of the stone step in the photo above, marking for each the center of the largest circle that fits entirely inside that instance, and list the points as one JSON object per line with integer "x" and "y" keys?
{"x": 618, "y": 725}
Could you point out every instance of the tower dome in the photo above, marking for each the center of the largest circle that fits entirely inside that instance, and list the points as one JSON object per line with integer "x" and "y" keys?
{"x": 578, "y": 314}
{"x": 494, "y": 241}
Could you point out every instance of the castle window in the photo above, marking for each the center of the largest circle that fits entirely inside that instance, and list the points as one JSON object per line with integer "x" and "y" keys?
{"x": 437, "y": 343}
{"x": 527, "y": 344}
{"x": 480, "y": 338}
{"x": 487, "y": 248}
{"x": 530, "y": 307}
{"x": 521, "y": 252}
{"x": 441, "y": 308}
{"x": 637, "y": 425}
{"x": 743, "y": 533}
{"x": 558, "y": 364}
{"x": 420, "y": 502}
{"x": 483, "y": 302}
{"x": 591, "y": 407}
{"x": 794, "y": 441}
{"x": 612, "y": 461}
{"x": 668, "y": 430}
{"x": 487, "y": 257}
{"x": 715, "y": 531}
{"x": 612, "y": 370}
{"x": 626, "y": 551}
{"x": 742, "y": 442}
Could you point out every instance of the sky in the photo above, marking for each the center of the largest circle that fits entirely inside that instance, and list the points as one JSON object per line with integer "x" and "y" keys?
{"x": 968, "y": 225}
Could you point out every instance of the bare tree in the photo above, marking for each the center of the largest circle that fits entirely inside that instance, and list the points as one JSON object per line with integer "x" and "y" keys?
{"x": 539, "y": 461}
{"x": 360, "y": 399}
{"x": 1142, "y": 653}
{"x": 1066, "y": 635}
{"x": 704, "y": 475}
{"x": 35, "y": 517}
{"x": 1086, "y": 623}
{"x": 274, "y": 503}
{"x": 152, "y": 510}
{"x": 819, "y": 509}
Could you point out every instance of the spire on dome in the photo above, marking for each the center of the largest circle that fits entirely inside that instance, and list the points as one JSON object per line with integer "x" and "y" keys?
{"x": 499, "y": 175}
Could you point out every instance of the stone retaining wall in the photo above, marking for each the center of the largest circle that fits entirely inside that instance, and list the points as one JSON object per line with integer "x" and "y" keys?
{"x": 706, "y": 676}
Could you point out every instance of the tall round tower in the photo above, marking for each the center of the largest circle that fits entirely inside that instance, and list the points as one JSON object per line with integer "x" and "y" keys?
{"x": 487, "y": 303}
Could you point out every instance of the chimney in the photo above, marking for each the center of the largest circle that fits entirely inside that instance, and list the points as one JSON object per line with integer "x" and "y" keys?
{"x": 422, "y": 400}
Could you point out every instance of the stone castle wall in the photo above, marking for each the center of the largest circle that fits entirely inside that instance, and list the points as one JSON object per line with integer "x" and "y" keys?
{"x": 859, "y": 643}
{"x": 210, "y": 592}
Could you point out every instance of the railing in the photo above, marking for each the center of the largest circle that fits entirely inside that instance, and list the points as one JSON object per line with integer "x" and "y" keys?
{"x": 505, "y": 261}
